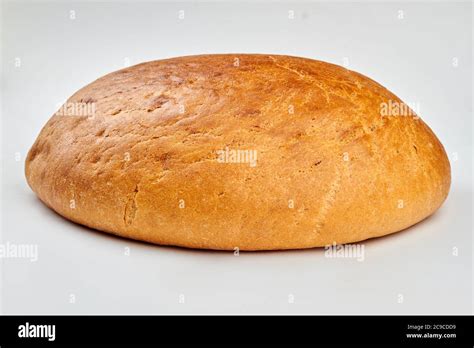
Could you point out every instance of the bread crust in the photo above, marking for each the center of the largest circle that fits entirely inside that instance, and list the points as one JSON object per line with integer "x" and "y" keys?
{"x": 150, "y": 162}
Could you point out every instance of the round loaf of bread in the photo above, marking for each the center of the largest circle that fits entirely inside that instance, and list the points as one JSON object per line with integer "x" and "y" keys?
{"x": 256, "y": 152}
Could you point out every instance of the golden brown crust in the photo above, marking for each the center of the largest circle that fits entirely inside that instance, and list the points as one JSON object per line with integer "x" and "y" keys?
{"x": 329, "y": 167}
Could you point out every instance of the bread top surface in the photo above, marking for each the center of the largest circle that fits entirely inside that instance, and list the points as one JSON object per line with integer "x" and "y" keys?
{"x": 249, "y": 151}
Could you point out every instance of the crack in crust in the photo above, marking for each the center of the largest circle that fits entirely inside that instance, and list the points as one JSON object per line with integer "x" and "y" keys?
{"x": 329, "y": 199}
{"x": 131, "y": 207}
{"x": 328, "y": 202}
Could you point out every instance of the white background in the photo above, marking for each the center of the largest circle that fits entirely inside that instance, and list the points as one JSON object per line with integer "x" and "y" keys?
{"x": 412, "y": 56}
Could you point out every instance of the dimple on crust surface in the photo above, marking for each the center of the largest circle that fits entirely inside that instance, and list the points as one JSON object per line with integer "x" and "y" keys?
{"x": 256, "y": 152}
